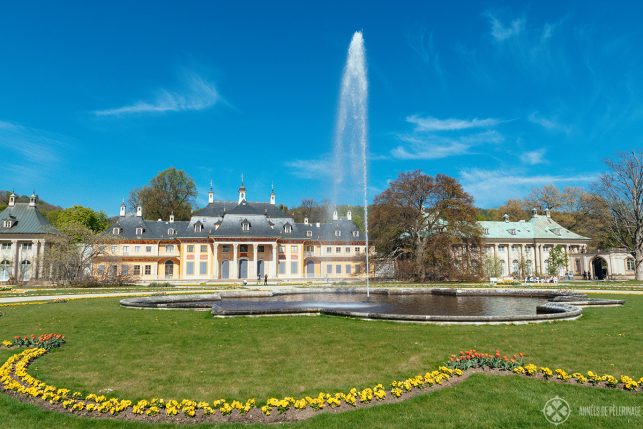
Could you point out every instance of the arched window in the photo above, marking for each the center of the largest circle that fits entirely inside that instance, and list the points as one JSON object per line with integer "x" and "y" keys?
{"x": 5, "y": 270}
{"x": 515, "y": 266}
{"x": 245, "y": 226}
{"x": 356, "y": 233}
{"x": 170, "y": 231}
{"x": 116, "y": 231}
{"x": 338, "y": 233}
{"x": 139, "y": 231}
{"x": 169, "y": 269}
{"x": 198, "y": 227}
{"x": 25, "y": 270}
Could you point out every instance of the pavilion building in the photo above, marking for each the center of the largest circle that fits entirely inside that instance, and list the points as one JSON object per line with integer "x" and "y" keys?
{"x": 24, "y": 236}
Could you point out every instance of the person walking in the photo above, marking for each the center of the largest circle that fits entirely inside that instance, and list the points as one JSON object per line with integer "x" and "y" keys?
{"x": 265, "y": 280}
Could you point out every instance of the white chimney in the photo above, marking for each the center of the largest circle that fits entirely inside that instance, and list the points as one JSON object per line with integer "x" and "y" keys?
{"x": 139, "y": 211}
{"x": 305, "y": 221}
{"x": 122, "y": 211}
{"x": 317, "y": 225}
{"x": 349, "y": 215}
{"x": 335, "y": 217}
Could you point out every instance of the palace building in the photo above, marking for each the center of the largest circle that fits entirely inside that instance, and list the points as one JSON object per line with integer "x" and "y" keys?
{"x": 522, "y": 248}
{"x": 230, "y": 240}
{"x": 24, "y": 237}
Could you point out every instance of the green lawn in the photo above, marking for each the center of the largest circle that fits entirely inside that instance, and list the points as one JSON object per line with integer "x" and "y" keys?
{"x": 185, "y": 354}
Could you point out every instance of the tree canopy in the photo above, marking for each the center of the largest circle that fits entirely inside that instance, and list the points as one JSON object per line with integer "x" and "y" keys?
{"x": 420, "y": 221}
{"x": 170, "y": 191}
{"x": 68, "y": 219}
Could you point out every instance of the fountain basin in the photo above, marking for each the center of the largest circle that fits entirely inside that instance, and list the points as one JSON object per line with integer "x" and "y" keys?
{"x": 428, "y": 305}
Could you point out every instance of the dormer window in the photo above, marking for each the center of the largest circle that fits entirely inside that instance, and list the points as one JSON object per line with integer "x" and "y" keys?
{"x": 485, "y": 231}
{"x": 556, "y": 231}
{"x": 338, "y": 233}
{"x": 309, "y": 233}
{"x": 356, "y": 233}
{"x": 116, "y": 231}
{"x": 140, "y": 230}
{"x": 512, "y": 231}
{"x": 171, "y": 231}
{"x": 198, "y": 227}
{"x": 287, "y": 228}
{"x": 7, "y": 223}
{"x": 245, "y": 226}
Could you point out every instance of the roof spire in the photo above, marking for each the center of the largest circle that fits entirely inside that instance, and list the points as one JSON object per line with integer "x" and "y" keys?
{"x": 242, "y": 190}
{"x": 272, "y": 194}
{"x": 32, "y": 199}
{"x": 211, "y": 194}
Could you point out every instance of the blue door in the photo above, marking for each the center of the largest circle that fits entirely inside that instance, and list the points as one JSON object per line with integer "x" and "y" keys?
{"x": 260, "y": 268}
{"x": 310, "y": 269}
{"x": 225, "y": 269}
{"x": 243, "y": 269}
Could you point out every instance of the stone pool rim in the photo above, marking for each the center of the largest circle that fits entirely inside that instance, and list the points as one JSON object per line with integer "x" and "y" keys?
{"x": 562, "y": 305}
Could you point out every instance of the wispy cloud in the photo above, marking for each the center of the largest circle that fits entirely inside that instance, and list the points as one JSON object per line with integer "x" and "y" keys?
{"x": 501, "y": 32}
{"x": 32, "y": 152}
{"x": 197, "y": 94}
{"x": 491, "y": 188}
{"x": 311, "y": 168}
{"x": 429, "y": 123}
{"x": 434, "y": 138}
{"x": 434, "y": 146}
{"x": 533, "y": 157}
{"x": 548, "y": 123}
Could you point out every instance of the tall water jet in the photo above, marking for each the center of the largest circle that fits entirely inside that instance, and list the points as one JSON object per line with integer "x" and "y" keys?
{"x": 351, "y": 134}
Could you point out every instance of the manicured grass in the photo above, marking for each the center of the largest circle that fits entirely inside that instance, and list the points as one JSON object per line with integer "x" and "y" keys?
{"x": 185, "y": 354}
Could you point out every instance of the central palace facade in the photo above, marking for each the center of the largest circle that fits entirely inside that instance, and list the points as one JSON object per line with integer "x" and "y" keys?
{"x": 232, "y": 240}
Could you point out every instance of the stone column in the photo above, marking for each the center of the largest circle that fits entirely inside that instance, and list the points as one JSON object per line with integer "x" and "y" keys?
{"x": 234, "y": 263}
{"x": 275, "y": 270}
{"x": 522, "y": 262}
{"x": 509, "y": 259}
{"x": 37, "y": 262}
{"x": 540, "y": 259}
{"x": 252, "y": 263}
{"x": 16, "y": 257}
{"x": 215, "y": 260}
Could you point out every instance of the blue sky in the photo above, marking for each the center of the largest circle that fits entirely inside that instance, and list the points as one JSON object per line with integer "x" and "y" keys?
{"x": 95, "y": 99}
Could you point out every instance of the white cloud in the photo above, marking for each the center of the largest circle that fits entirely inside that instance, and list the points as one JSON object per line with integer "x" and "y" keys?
{"x": 491, "y": 188}
{"x": 430, "y": 123}
{"x": 30, "y": 153}
{"x": 436, "y": 147}
{"x": 311, "y": 168}
{"x": 501, "y": 32}
{"x": 197, "y": 94}
{"x": 533, "y": 157}
{"x": 548, "y": 123}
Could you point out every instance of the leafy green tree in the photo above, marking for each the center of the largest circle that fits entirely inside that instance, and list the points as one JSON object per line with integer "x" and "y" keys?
{"x": 67, "y": 219}
{"x": 171, "y": 191}
{"x": 557, "y": 260}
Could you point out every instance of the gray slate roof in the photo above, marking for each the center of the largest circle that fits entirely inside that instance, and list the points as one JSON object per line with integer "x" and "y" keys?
{"x": 223, "y": 219}
{"x": 26, "y": 220}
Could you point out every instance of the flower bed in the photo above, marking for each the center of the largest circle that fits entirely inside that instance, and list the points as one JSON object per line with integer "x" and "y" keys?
{"x": 15, "y": 379}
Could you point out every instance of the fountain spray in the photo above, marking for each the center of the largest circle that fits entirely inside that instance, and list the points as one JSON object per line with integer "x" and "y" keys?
{"x": 351, "y": 131}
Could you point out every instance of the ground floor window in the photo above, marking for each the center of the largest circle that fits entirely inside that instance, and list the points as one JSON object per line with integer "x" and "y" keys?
{"x": 101, "y": 270}
{"x": 5, "y": 270}
{"x": 630, "y": 264}
{"x": 329, "y": 269}
{"x": 137, "y": 270}
{"x": 125, "y": 270}
{"x": 348, "y": 269}
{"x": 338, "y": 269}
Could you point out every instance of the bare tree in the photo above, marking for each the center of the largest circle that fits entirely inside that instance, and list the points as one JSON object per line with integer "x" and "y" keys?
{"x": 622, "y": 187}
